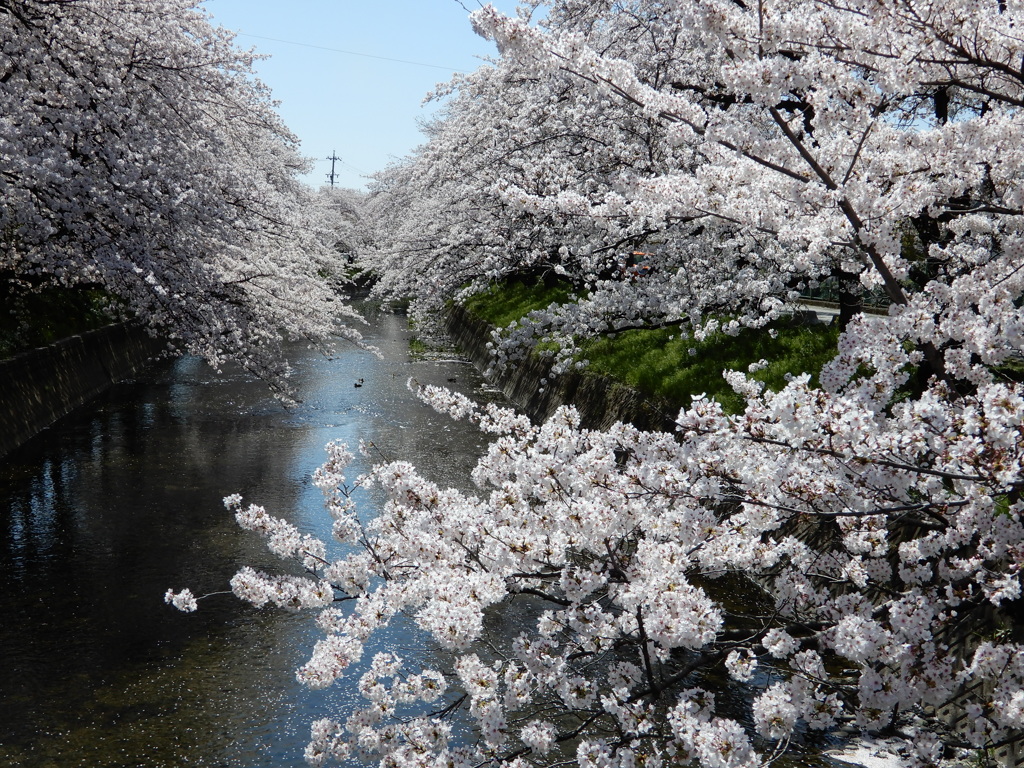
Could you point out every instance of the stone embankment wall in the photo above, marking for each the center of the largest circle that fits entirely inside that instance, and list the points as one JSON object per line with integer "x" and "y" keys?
{"x": 600, "y": 400}
{"x": 40, "y": 386}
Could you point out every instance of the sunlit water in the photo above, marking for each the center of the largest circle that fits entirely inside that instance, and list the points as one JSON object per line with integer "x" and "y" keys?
{"x": 103, "y": 512}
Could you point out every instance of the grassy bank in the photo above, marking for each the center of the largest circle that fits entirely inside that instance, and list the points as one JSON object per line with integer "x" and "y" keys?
{"x": 668, "y": 362}
{"x": 500, "y": 304}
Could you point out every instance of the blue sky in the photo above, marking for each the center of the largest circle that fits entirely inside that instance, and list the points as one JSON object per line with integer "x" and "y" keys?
{"x": 364, "y": 109}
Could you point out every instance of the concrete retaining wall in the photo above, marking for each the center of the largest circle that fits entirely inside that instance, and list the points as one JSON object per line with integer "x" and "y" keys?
{"x": 40, "y": 386}
{"x": 600, "y": 400}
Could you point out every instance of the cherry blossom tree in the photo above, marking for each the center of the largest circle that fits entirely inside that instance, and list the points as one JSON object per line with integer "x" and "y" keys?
{"x": 867, "y": 154}
{"x": 532, "y": 174}
{"x": 140, "y": 155}
{"x": 846, "y": 555}
{"x": 732, "y": 197}
{"x": 453, "y": 213}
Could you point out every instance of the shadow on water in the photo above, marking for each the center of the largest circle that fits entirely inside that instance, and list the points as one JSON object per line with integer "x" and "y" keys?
{"x": 101, "y": 513}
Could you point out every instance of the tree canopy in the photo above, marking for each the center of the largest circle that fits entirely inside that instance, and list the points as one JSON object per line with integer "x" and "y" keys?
{"x": 139, "y": 154}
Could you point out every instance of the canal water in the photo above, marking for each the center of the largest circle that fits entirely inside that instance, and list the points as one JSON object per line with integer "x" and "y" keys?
{"x": 103, "y": 512}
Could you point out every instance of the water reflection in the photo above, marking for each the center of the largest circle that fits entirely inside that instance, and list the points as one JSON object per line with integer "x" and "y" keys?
{"x": 103, "y": 512}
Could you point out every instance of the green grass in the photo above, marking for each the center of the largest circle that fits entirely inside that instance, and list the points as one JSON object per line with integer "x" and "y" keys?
{"x": 420, "y": 349}
{"x": 1011, "y": 370}
{"x": 513, "y": 300}
{"x": 658, "y": 362}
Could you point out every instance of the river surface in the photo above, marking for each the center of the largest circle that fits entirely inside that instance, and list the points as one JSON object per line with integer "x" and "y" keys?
{"x": 103, "y": 512}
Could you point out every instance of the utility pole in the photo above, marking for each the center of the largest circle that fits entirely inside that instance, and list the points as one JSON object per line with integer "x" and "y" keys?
{"x": 333, "y": 158}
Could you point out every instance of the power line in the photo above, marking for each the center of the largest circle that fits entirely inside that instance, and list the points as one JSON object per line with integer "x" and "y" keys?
{"x": 351, "y": 53}
{"x": 353, "y": 168}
